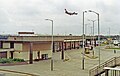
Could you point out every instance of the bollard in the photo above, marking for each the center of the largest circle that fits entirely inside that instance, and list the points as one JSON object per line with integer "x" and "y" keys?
{"x": 114, "y": 51}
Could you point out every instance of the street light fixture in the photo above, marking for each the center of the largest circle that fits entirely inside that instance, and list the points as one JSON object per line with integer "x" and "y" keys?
{"x": 98, "y": 33}
{"x": 51, "y": 45}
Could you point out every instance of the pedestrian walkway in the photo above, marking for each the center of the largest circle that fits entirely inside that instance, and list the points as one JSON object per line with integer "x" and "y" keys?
{"x": 71, "y": 67}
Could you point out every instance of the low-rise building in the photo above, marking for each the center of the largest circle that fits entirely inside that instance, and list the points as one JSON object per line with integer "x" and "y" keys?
{"x": 39, "y": 47}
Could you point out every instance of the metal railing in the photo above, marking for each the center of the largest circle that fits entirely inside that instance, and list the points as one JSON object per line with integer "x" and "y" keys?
{"x": 97, "y": 70}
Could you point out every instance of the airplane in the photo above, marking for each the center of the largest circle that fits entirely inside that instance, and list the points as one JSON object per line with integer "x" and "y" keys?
{"x": 69, "y": 13}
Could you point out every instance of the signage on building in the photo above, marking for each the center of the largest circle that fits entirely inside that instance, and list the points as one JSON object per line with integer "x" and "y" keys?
{"x": 3, "y": 37}
{"x": 26, "y": 34}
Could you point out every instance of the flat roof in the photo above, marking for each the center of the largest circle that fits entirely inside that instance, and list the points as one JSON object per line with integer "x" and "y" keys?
{"x": 2, "y": 50}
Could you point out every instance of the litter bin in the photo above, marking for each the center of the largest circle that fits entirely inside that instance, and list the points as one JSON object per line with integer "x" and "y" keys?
{"x": 44, "y": 56}
{"x": 87, "y": 50}
{"x": 91, "y": 48}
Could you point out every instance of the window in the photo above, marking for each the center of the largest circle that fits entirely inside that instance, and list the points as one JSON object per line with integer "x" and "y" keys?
{"x": 12, "y": 45}
{"x": 1, "y": 44}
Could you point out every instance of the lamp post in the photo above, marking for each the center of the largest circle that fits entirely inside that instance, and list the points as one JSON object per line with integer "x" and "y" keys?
{"x": 86, "y": 28}
{"x": 109, "y": 37}
{"x": 98, "y": 33}
{"x": 83, "y": 42}
{"x": 93, "y": 26}
{"x": 93, "y": 34}
{"x": 51, "y": 45}
{"x": 86, "y": 33}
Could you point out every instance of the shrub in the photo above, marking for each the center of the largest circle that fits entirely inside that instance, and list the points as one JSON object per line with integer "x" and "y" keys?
{"x": 18, "y": 60}
{"x": 4, "y": 60}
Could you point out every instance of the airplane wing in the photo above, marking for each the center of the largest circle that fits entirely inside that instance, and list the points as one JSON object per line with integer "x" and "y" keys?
{"x": 69, "y": 13}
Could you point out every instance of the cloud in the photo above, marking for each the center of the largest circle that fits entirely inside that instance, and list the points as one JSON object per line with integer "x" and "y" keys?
{"x": 31, "y": 14}
{"x": 3, "y": 17}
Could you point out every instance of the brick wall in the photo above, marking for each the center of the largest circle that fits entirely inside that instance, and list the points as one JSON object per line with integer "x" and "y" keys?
{"x": 36, "y": 46}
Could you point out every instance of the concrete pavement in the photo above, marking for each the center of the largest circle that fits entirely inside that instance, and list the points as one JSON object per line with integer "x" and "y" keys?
{"x": 72, "y": 67}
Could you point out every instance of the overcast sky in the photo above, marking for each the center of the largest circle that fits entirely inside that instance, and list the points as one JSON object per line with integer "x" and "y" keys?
{"x": 30, "y": 15}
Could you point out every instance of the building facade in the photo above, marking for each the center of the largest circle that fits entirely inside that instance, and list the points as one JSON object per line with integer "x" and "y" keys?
{"x": 37, "y": 47}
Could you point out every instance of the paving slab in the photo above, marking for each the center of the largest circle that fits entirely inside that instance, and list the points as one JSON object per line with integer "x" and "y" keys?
{"x": 70, "y": 67}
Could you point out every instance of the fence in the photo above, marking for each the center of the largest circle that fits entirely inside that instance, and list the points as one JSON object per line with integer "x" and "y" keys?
{"x": 99, "y": 69}
{"x": 112, "y": 71}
